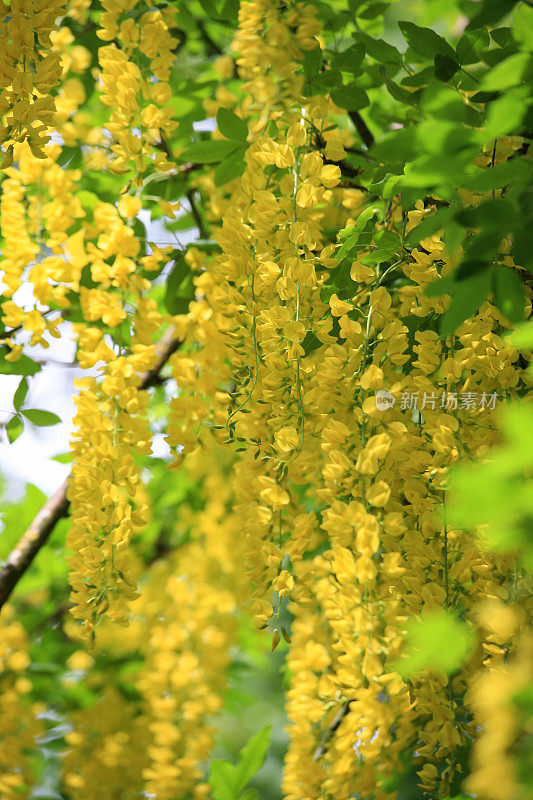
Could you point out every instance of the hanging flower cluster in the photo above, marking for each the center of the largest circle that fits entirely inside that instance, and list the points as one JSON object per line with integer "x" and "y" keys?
{"x": 184, "y": 624}
{"x": 135, "y": 72}
{"x": 348, "y": 414}
{"x": 29, "y": 70}
{"x": 18, "y": 719}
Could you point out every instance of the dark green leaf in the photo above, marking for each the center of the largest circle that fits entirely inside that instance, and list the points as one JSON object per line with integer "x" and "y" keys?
{"x": 20, "y": 394}
{"x": 40, "y": 417}
{"x": 14, "y": 428}
{"x": 445, "y": 67}
{"x": 380, "y": 50}
{"x": 398, "y": 92}
{"x": 208, "y": 151}
{"x": 502, "y": 36}
{"x": 509, "y": 294}
{"x": 499, "y": 212}
{"x": 439, "y": 287}
{"x": 231, "y": 126}
{"x": 350, "y": 97}
{"x": 484, "y": 180}
{"x": 490, "y": 11}
{"x": 229, "y": 11}
{"x": 425, "y": 41}
{"x": 429, "y": 225}
{"x": 312, "y": 63}
{"x": 180, "y": 287}
{"x": 328, "y": 79}
{"x": 470, "y": 44}
{"x": 373, "y": 10}
{"x": 349, "y": 60}
{"x": 523, "y": 246}
{"x": 310, "y": 343}
{"x": 467, "y": 297}
{"x": 232, "y": 167}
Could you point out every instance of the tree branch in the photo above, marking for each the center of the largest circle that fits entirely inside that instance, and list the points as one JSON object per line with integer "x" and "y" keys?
{"x": 362, "y": 128}
{"x": 321, "y": 749}
{"x": 57, "y": 506}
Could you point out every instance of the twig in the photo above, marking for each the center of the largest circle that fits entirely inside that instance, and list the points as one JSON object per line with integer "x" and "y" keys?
{"x": 362, "y": 128}
{"x": 57, "y": 506}
{"x": 196, "y": 214}
{"x": 321, "y": 749}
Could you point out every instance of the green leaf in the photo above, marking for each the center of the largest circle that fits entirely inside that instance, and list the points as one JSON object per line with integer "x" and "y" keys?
{"x": 231, "y": 167}
{"x": 505, "y": 114}
{"x": 507, "y": 172}
{"x": 350, "y": 97}
{"x": 208, "y": 151}
{"x": 231, "y": 126}
{"x": 490, "y": 11}
{"x": 439, "y": 287}
{"x": 20, "y": 394}
{"x": 523, "y": 26}
{"x": 223, "y": 780}
{"x": 14, "y": 428}
{"x": 312, "y": 63}
{"x": 351, "y": 235}
{"x": 509, "y": 294}
{"x": 523, "y": 246}
{"x": 249, "y": 794}
{"x": 63, "y": 458}
{"x": 379, "y": 50}
{"x": 467, "y": 297}
{"x": 445, "y": 67}
{"x": 436, "y": 640}
{"x": 40, "y": 417}
{"x": 429, "y": 225}
{"x": 387, "y": 244}
{"x": 310, "y": 343}
{"x": 229, "y": 11}
{"x": 522, "y": 337}
{"x": 24, "y": 366}
{"x": 180, "y": 287}
{"x": 510, "y": 72}
{"x": 499, "y": 212}
{"x": 470, "y": 44}
{"x": 252, "y": 757}
{"x": 349, "y": 60}
{"x": 425, "y": 41}
{"x": 88, "y": 200}
{"x": 398, "y": 92}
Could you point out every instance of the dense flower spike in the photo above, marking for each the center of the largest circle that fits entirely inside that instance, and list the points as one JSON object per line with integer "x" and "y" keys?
{"x": 19, "y": 725}
{"x": 29, "y": 71}
{"x": 135, "y": 69}
{"x": 308, "y": 425}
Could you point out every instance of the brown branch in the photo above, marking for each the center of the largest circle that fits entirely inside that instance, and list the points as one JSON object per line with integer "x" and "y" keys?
{"x": 57, "y": 506}
{"x": 362, "y": 128}
{"x": 321, "y": 749}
